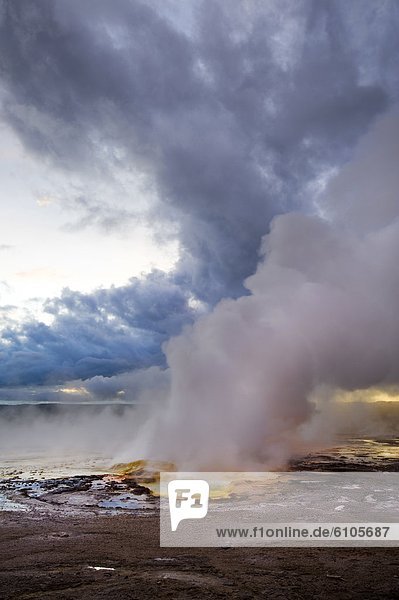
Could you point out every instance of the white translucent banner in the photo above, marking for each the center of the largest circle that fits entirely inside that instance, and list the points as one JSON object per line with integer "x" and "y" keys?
{"x": 279, "y": 509}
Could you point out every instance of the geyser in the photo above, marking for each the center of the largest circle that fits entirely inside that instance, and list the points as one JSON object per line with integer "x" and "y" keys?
{"x": 321, "y": 312}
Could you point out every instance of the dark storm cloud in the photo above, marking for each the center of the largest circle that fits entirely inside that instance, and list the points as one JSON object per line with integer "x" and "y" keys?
{"x": 106, "y": 332}
{"x": 218, "y": 118}
{"x": 232, "y": 118}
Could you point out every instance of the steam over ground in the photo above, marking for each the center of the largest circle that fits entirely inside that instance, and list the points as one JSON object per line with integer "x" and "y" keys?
{"x": 322, "y": 313}
{"x": 261, "y": 140}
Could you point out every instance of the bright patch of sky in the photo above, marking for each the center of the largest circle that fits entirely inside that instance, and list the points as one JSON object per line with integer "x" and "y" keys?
{"x": 45, "y": 248}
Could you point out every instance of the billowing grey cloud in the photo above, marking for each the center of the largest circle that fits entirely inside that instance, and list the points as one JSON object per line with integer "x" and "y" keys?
{"x": 233, "y": 111}
{"x": 106, "y": 332}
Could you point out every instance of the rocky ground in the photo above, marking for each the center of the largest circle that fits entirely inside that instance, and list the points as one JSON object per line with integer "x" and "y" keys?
{"x": 77, "y": 537}
{"x": 76, "y": 494}
{"x": 103, "y": 556}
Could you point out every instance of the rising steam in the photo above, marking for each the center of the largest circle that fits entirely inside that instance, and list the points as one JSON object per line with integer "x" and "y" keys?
{"x": 321, "y": 314}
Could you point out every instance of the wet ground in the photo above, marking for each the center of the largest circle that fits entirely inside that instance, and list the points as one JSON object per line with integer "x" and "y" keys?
{"x": 38, "y": 488}
{"x": 74, "y": 495}
{"x": 118, "y": 557}
{"x": 96, "y": 535}
{"x": 354, "y": 454}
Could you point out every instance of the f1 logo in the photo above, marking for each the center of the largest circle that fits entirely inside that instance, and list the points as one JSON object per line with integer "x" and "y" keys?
{"x": 188, "y": 499}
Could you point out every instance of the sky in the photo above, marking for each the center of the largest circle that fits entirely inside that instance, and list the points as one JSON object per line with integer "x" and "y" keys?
{"x": 147, "y": 149}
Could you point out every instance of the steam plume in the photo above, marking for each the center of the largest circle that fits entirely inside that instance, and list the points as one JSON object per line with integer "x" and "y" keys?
{"x": 322, "y": 311}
